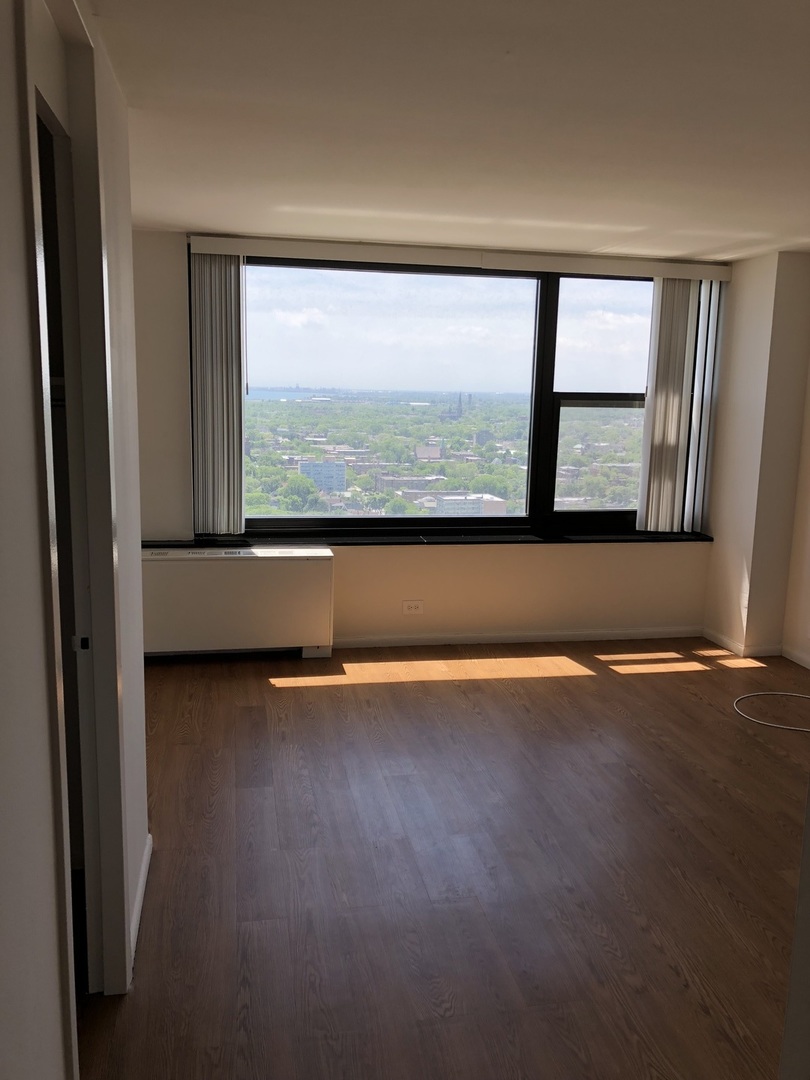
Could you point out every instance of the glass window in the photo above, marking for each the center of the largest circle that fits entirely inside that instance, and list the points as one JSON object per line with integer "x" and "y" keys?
{"x": 600, "y": 381}
{"x": 603, "y": 335}
{"x": 387, "y": 394}
{"x": 599, "y": 455}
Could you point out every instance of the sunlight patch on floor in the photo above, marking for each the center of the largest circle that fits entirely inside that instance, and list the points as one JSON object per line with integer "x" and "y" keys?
{"x": 512, "y": 667}
{"x": 610, "y": 657}
{"x": 659, "y": 669}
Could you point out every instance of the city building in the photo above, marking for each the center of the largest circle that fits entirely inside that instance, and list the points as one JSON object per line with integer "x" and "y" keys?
{"x": 469, "y": 504}
{"x": 327, "y": 475}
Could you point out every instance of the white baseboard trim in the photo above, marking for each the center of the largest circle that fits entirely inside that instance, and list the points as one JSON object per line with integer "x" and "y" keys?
{"x": 137, "y": 907}
{"x": 725, "y": 642}
{"x": 739, "y": 649}
{"x": 629, "y": 633}
{"x": 798, "y": 656}
{"x": 763, "y": 650}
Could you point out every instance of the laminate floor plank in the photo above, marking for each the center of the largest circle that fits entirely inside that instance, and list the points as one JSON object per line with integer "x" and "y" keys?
{"x": 265, "y": 1040}
{"x": 299, "y": 823}
{"x": 172, "y": 1019}
{"x": 509, "y": 862}
{"x": 256, "y": 841}
{"x": 442, "y": 871}
{"x": 376, "y": 811}
{"x": 251, "y": 736}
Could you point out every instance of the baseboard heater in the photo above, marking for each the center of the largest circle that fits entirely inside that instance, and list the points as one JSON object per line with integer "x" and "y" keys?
{"x": 240, "y": 599}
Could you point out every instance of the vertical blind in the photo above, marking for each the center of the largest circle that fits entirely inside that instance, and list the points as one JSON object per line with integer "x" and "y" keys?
{"x": 668, "y": 409}
{"x": 218, "y": 393}
{"x": 702, "y": 405}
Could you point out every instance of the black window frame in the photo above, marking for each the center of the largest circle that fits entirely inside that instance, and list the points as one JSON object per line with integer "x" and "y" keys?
{"x": 609, "y": 521}
{"x": 542, "y": 521}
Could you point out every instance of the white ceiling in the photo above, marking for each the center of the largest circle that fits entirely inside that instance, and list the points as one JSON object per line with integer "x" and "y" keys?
{"x": 639, "y": 127}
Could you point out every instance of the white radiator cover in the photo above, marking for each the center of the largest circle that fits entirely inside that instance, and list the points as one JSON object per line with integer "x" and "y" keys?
{"x": 211, "y": 600}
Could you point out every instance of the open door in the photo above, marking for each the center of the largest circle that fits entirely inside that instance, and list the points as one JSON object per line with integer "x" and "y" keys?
{"x": 63, "y": 415}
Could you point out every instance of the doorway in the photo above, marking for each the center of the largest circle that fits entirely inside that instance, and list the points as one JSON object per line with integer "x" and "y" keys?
{"x": 65, "y": 449}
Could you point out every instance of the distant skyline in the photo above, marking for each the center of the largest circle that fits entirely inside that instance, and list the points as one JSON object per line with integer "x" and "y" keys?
{"x": 400, "y": 331}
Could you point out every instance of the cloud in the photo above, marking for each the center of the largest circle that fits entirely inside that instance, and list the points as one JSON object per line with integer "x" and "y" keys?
{"x": 389, "y": 330}
{"x": 302, "y": 317}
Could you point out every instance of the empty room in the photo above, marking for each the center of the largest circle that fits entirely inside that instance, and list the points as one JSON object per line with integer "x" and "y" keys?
{"x": 405, "y": 438}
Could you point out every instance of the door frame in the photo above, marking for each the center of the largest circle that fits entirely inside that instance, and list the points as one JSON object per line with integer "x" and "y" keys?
{"x": 71, "y": 88}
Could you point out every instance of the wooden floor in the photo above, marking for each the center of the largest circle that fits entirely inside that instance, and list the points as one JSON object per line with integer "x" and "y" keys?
{"x": 552, "y": 862}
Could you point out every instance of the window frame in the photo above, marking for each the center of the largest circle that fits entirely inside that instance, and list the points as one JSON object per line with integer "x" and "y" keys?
{"x": 609, "y": 521}
{"x": 542, "y": 521}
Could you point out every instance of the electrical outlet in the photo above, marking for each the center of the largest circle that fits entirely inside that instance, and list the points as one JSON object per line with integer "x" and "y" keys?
{"x": 413, "y": 607}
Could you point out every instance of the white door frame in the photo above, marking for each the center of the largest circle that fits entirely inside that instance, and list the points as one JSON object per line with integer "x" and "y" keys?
{"x": 71, "y": 79}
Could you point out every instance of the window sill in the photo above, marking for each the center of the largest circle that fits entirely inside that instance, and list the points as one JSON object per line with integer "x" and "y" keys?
{"x": 393, "y": 538}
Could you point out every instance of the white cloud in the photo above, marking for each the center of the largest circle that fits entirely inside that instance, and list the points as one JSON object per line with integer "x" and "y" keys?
{"x": 302, "y": 317}
{"x": 402, "y": 330}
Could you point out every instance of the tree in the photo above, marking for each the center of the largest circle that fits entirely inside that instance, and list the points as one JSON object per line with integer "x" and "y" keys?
{"x": 396, "y": 507}
{"x": 298, "y": 494}
{"x": 493, "y": 485}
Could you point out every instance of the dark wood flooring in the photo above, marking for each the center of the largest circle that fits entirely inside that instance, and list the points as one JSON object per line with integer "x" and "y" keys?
{"x": 550, "y": 862}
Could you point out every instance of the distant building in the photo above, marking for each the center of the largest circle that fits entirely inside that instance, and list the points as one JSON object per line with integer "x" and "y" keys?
{"x": 428, "y": 453}
{"x": 346, "y": 451}
{"x": 327, "y": 475}
{"x": 472, "y": 504}
{"x": 629, "y": 467}
{"x": 386, "y": 482}
{"x": 414, "y": 495}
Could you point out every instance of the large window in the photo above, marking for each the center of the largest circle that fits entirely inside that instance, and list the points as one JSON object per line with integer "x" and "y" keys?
{"x": 387, "y": 394}
{"x": 411, "y": 400}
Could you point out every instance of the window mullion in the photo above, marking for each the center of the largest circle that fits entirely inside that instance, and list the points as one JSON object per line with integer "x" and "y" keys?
{"x": 541, "y": 443}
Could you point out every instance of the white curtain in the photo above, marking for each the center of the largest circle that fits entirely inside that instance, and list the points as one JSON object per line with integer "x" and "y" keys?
{"x": 669, "y": 405}
{"x": 217, "y": 393}
{"x": 702, "y": 404}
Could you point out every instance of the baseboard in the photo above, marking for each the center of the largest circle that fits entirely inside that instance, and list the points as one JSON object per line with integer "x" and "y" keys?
{"x": 798, "y": 656}
{"x": 137, "y": 907}
{"x": 629, "y": 633}
{"x": 763, "y": 650}
{"x": 725, "y": 642}
{"x": 742, "y": 650}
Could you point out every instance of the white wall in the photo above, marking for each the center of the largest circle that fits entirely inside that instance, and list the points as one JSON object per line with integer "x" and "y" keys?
{"x": 33, "y": 1039}
{"x": 762, "y": 375}
{"x": 506, "y": 592}
{"x": 478, "y": 592}
{"x": 114, "y": 166}
{"x": 734, "y": 467}
{"x": 797, "y": 612}
{"x": 781, "y": 448}
{"x": 161, "y": 273}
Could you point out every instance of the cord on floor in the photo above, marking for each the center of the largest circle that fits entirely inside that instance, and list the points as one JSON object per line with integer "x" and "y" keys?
{"x": 765, "y": 723}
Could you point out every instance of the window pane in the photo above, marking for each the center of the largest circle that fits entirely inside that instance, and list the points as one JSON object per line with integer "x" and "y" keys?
{"x": 603, "y": 336}
{"x": 379, "y": 394}
{"x": 599, "y": 457}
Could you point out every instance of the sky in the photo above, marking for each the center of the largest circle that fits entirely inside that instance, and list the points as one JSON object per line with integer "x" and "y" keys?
{"x": 360, "y": 330}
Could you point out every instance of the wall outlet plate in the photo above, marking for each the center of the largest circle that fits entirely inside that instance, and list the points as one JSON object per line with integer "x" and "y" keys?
{"x": 413, "y": 607}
